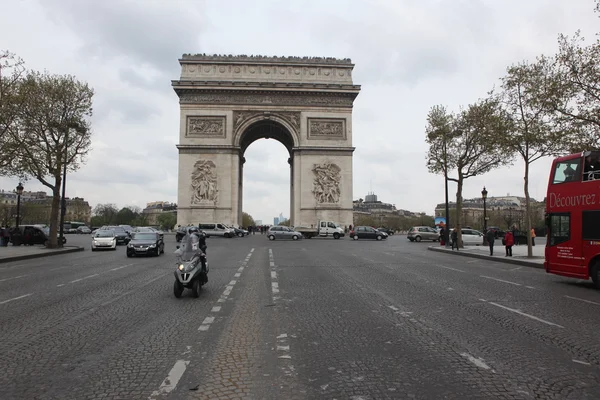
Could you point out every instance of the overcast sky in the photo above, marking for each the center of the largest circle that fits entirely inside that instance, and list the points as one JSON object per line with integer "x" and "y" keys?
{"x": 409, "y": 55}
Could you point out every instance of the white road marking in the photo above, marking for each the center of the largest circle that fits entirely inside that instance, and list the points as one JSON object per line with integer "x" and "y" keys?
{"x": 216, "y": 309}
{"x": 282, "y": 336}
{"x": 62, "y": 284}
{"x": 472, "y": 261}
{"x": 516, "y": 269}
{"x": 232, "y": 283}
{"x": 500, "y": 280}
{"x": 529, "y": 287}
{"x": 283, "y": 348}
{"x": 477, "y": 361}
{"x": 237, "y": 275}
{"x": 56, "y": 269}
{"x": 394, "y": 308}
{"x": 15, "y": 298}
{"x": 124, "y": 266}
{"x": 274, "y": 283}
{"x": 14, "y": 277}
{"x": 273, "y": 275}
{"x": 240, "y": 269}
{"x": 172, "y": 379}
{"x": 525, "y": 314}
{"x": 251, "y": 251}
{"x": 450, "y": 268}
{"x": 581, "y": 362}
{"x": 86, "y": 277}
{"x": 206, "y": 323}
{"x": 585, "y": 301}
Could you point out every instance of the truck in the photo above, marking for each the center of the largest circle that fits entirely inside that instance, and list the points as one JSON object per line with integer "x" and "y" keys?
{"x": 323, "y": 229}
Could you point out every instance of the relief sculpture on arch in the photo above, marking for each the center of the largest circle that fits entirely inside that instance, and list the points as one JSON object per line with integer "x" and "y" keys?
{"x": 326, "y": 184}
{"x": 204, "y": 183}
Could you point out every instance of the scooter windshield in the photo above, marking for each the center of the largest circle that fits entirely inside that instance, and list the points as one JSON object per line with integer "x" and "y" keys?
{"x": 190, "y": 246}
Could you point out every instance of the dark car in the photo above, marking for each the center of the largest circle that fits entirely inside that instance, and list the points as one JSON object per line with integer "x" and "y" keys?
{"x": 145, "y": 243}
{"x": 149, "y": 229}
{"x": 498, "y": 233}
{"x": 386, "y": 230}
{"x": 367, "y": 232}
{"x": 120, "y": 233}
{"x": 30, "y": 235}
{"x": 181, "y": 232}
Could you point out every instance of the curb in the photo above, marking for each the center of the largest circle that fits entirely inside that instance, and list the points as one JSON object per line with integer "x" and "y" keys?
{"x": 508, "y": 260}
{"x": 73, "y": 249}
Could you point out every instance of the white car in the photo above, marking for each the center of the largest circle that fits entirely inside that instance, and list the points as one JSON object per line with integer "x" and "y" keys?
{"x": 471, "y": 237}
{"x": 104, "y": 240}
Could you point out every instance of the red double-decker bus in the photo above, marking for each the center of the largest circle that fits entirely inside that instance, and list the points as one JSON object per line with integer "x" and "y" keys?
{"x": 573, "y": 217}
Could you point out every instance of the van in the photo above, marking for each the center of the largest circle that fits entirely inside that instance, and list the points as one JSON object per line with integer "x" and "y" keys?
{"x": 216, "y": 230}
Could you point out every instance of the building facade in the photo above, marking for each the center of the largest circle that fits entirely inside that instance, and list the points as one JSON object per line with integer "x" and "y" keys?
{"x": 156, "y": 208}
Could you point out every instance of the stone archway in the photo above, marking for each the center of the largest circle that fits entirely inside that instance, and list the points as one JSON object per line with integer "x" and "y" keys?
{"x": 228, "y": 102}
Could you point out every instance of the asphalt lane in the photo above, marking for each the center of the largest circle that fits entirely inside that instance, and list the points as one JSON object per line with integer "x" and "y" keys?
{"x": 318, "y": 318}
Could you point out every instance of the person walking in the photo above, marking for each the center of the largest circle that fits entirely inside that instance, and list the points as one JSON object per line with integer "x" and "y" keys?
{"x": 532, "y": 236}
{"x": 491, "y": 237}
{"x": 509, "y": 241}
{"x": 454, "y": 239}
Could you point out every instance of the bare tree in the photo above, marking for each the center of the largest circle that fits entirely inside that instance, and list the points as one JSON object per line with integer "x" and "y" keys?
{"x": 534, "y": 132}
{"x": 466, "y": 143}
{"x": 53, "y": 130}
{"x": 11, "y": 72}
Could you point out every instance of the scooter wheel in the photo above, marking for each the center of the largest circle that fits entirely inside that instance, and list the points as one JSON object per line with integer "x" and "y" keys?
{"x": 196, "y": 288}
{"x": 177, "y": 289}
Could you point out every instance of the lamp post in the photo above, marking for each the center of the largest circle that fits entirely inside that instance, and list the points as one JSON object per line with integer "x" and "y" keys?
{"x": 19, "y": 193}
{"x": 484, "y": 194}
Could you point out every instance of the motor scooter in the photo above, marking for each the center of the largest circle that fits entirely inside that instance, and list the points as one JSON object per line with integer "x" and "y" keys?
{"x": 192, "y": 267}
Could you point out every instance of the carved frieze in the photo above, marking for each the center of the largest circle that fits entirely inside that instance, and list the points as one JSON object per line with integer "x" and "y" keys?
{"x": 204, "y": 183}
{"x": 292, "y": 118}
{"x": 326, "y": 183}
{"x": 279, "y": 99}
{"x": 206, "y": 126}
{"x": 326, "y": 128}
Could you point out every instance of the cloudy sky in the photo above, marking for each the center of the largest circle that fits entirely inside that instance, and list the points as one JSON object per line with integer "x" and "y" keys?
{"x": 409, "y": 55}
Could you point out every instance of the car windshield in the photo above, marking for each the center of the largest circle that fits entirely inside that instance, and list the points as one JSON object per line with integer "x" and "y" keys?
{"x": 144, "y": 236}
{"x": 101, "y": 234}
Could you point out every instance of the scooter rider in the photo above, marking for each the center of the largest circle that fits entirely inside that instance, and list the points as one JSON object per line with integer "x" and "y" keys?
{"x": 201, "y": 242}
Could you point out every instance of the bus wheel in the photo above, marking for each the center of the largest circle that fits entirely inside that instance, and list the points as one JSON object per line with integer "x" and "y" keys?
{"x": 595, "y": 273}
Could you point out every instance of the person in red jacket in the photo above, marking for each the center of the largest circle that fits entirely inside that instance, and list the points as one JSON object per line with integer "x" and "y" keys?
{"x": 509, "y": 241}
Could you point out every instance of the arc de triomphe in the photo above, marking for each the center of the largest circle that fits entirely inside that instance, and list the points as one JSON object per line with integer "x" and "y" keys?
{"x": 228, "y": 102}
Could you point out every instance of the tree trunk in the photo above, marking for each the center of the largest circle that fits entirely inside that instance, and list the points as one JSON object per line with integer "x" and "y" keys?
{"x": 527, "y": 210}
{"x": 54, "y": 214}
{"x": 458, "y": 219}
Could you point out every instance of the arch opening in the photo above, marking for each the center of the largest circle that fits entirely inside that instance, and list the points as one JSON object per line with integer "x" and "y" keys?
{"x": 265, "y": 170}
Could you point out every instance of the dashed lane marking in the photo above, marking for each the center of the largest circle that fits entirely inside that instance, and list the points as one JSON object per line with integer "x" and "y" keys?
{"x": 121, "y": 267}
{"x": 216, "y": 309}
{"x": 450, "y": 268}
{"x": 477, "y": 361}
{"x": 16, "y": 298}
{"x": 500, "y": 280}
{"x": 86, "y": 277}
{"x": 14, "y": 277}
{"x": 524, "y": 314}
{"x": 583, "y": 300}
{"x": 581, "y": 362}
{"x": 171, "y": 380}
{"x": 274, "y": 282}
{"x": 206, "y": 323}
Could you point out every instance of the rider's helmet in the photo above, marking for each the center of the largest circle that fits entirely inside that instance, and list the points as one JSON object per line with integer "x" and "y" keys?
{"x": 193, "y": 230}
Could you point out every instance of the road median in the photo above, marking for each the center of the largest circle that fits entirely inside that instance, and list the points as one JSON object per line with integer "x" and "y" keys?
{"x": 8, "y": 254}
{"x": 535, "y": 262}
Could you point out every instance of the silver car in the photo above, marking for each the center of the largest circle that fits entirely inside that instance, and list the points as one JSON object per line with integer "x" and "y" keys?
{"x": 283, "y": 232}
{"x": 418, "y": 233}
{"x": 104, "y": 239}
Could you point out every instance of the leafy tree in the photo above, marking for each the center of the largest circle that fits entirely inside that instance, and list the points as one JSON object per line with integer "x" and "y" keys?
{"x": 247, "y": 220}
{"x": 287, "y": 222}
{"x": 466, "y": 143}
{"x": 140, "y": 220}
{"x": 52, "y": 130}
{"x": 125, "y": 216}
{"x": 11, "y": 71}
{"x": 105, "y": 214}
{"x": 167, "y": 220}
{"x": 534, "y": 133}
{"x": 96, "y": 221}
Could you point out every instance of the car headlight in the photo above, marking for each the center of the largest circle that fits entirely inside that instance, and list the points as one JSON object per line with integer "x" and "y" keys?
{"x": 130, "y": 245}
{"x": 152, "y": 245}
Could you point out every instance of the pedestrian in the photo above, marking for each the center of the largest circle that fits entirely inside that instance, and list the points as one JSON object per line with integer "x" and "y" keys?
{"x": 454, "y": 239}
{"x": 514, "y": 232}
{"x": 508, "y": 241}
{"x": 532, "y": 236}
{"x": 491, "y": 237}
{"x": 442, "y": 236}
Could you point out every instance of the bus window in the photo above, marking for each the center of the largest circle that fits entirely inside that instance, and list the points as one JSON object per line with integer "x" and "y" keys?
{"x": 560, "y": 229}
{"x": 591, "y": 225}
{"x": 567, "y": 171}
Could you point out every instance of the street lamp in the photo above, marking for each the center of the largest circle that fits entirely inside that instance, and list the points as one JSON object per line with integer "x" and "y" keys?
{"x": 19, "y": 193}
{"x": 484, "y": 194}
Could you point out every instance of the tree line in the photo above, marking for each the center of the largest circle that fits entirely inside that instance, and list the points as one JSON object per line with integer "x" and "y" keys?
{"x": 110, "y": 214}
{"x": 44, "y": 127}
{"x": 547, "y": 107}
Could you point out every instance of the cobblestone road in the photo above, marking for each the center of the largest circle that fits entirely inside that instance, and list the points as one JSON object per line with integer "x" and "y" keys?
{"x": 313, "y": 319}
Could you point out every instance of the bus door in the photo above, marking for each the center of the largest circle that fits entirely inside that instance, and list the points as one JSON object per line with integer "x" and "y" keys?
{"x": 590, "y": 235}
{"x": 564, "y": 250}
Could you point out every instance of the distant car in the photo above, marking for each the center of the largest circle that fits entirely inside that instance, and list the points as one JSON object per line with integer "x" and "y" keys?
{"x": 418, "y": 233}
{"x": 148, "y": 229}
{"x": 128, "y": 228}
{"x": 145, "y": 243}
{"x": 386, "y": 230}
{"x": 84, "y": 230}
{"x": 104, "y": 239}
{"x": 283, "y": 232}
{"x": 120, "y": 233}
{"x": 367, "y": 232}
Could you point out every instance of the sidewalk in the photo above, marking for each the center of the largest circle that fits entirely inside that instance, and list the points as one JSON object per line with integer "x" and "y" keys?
{"x": 483, "y": 252}
{"x": 17, "y": 253}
